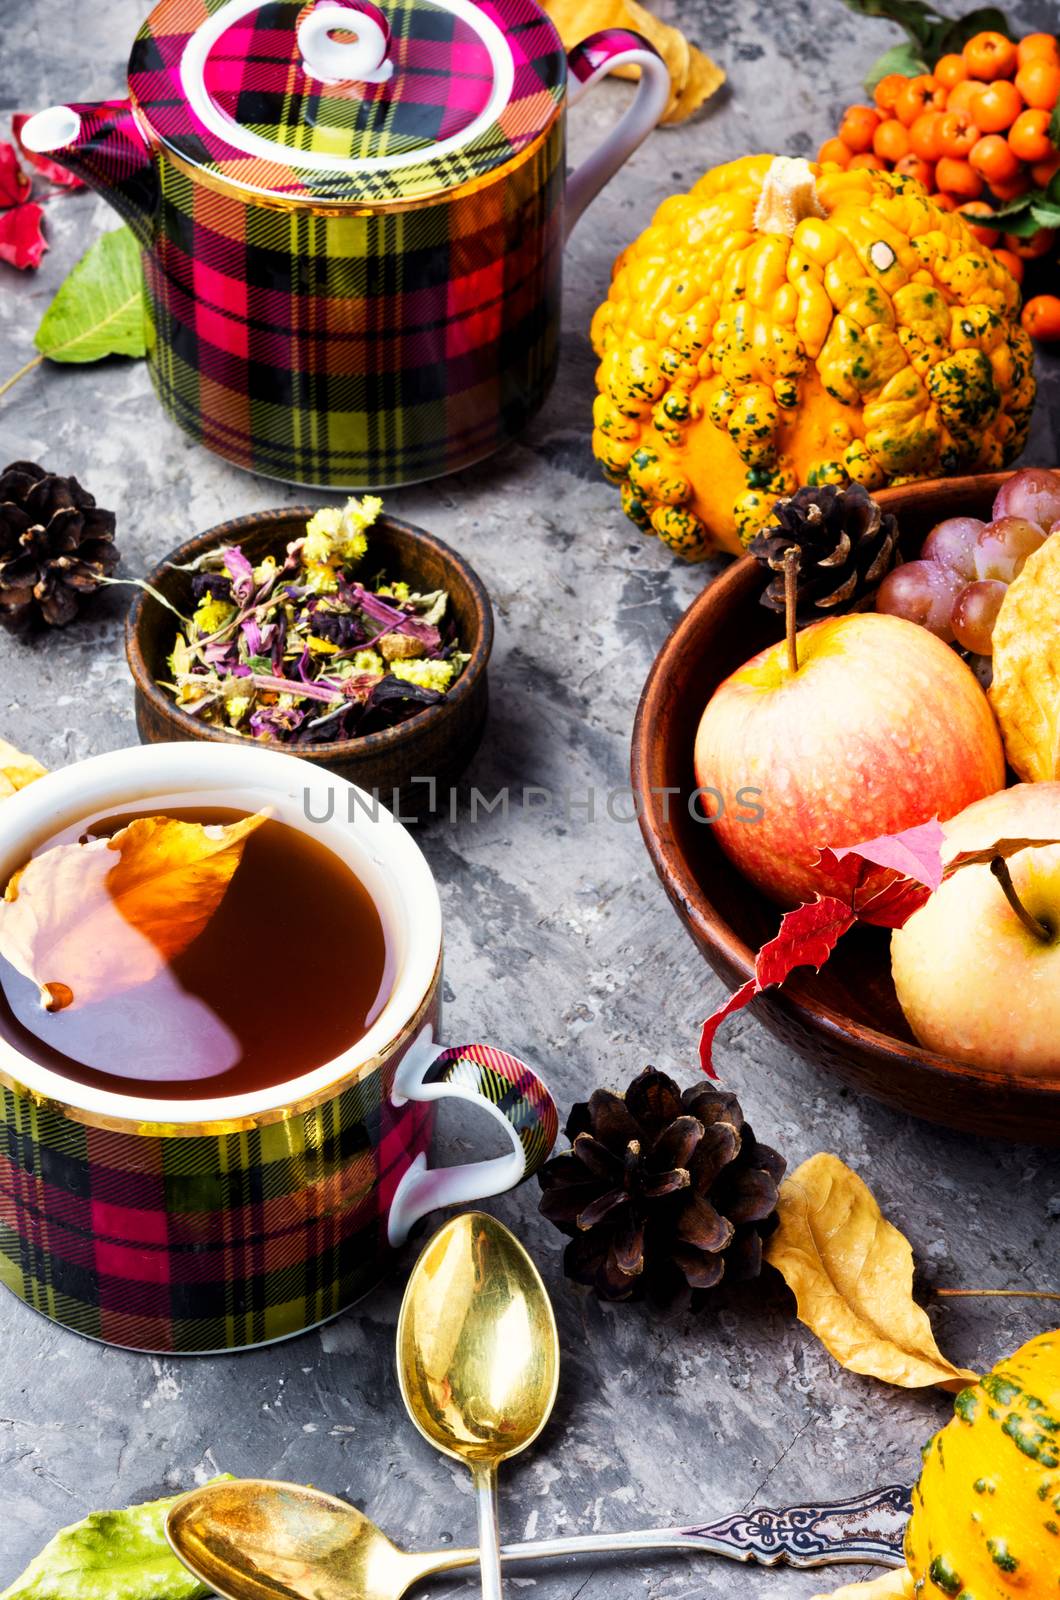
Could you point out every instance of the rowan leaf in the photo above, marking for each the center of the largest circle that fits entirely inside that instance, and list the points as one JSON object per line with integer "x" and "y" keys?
{"x": 98, "y": 309}
{"x": 84, "y": 921}
{"x": 1046, "y": 213}
{"x": 851, "y": 1273}
{"x": 16, "y": 769}
{"x": 907, "y": 58}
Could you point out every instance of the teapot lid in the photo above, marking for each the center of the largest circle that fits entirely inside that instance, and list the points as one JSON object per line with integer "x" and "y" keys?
{"x": 345, "y": 102}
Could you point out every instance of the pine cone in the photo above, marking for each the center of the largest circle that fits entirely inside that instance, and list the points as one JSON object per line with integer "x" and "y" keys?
{"x": 846, "y": 548}
{"x": 662, "y": 1193}
{"x": 55, "y": 546}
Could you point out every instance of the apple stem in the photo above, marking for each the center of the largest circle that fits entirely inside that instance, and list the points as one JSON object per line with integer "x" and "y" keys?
{"x": 791, "y": 579}
{"x": 999, "y": 867}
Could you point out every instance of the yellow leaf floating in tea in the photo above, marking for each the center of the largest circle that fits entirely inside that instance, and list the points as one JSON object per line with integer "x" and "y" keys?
{"x": 694, "y": 76}
{"x": 17, "y": 770}
{"x": 1025, "y": 692}
{"x": 852, "y": 1276}
{"x": 84, "y": 926}
{"x": 893, "y": 1584}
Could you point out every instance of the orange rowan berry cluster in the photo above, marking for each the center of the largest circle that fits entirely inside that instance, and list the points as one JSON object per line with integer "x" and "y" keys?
{"x": 975, "y": 132}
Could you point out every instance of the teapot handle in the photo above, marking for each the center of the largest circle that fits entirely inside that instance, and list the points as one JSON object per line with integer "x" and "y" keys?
{"x": 587, "y": 63}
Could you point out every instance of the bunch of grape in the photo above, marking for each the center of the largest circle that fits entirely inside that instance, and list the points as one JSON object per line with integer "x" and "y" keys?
{"x": 956, "y": 588}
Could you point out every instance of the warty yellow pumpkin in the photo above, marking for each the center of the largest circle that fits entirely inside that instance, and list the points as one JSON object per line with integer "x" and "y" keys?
{"x": 787, "y": 324}
{"x": 986, "y": 1508}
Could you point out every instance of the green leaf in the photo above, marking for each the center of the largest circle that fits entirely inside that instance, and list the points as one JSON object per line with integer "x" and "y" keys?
{"x": 1054, "y": 126}
{"x": 932, "y": 34}
{"x": 920, "y": 22}
{"x": 110, "y": 1555}
{"x": 905, "y": 58}
{"x": 955, "y": 35}
{"x": 1015, "y": 218}
{"x": 98, "y": 310}
{"x": 1046, "y": 213}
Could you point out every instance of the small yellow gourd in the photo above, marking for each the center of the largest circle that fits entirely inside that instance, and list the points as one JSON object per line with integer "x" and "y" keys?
{"x": 986, "y": 1511}
{"x": 786, "y": 324}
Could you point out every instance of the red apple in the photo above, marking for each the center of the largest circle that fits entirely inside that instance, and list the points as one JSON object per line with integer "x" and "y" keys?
{"x": 883, "y": 726}
{"x": 976, "y": 983}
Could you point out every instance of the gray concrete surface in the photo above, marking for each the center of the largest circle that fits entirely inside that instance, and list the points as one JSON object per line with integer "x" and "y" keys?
{"x": 561, "y": 945}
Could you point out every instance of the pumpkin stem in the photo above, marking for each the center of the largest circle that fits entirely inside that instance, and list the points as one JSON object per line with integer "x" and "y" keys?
{"x": 789, "y": 194}
{"x": 999, "y": 867}
{"x": 791, "y": 581}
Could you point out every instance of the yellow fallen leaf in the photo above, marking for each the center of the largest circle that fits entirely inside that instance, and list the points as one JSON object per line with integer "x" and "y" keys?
{"x": 16, "y": 769}
{"x": 85, "y": 921}
{"x": 892, "y": 1583}
{"x": 694, "y": 76}
{"x": 1025, "y": 692}
{"x": 852, "y": 1276}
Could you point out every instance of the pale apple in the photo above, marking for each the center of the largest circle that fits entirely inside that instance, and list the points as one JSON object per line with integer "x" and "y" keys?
{"x": 976, "y": 985}
{"x": 882, "y": 726}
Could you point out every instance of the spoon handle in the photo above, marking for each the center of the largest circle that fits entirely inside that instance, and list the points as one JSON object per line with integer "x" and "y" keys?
{"x": 869, "y": 1529}
{"x": 489, "y": 1543}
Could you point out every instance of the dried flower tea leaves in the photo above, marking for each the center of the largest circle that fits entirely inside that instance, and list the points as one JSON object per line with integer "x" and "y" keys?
{"x": 851, "y": 1273}
{"x": 694, "y": 76}
{"x": 83, "y": 925}
{"x": 1025, "y": 692}
{"x": 17, "y": 769}
{"x": 297, "y": 649}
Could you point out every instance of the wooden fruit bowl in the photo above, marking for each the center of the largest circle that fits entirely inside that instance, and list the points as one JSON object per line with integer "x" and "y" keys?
{"x": 846, "y": 1018}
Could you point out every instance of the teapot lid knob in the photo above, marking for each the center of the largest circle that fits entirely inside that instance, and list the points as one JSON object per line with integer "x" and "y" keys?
{"x": 361, "y": 58}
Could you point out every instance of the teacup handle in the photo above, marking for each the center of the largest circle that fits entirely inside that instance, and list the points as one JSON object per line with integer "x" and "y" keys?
{"x": 514, "y": 1096}
{"x": 587, "y": 63}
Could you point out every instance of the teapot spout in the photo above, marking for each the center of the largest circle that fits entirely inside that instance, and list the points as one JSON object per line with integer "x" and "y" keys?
{"x": 103, "y": 145}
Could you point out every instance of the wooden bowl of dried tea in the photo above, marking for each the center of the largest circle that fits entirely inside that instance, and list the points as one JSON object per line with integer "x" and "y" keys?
{"x": 345, "y": 636}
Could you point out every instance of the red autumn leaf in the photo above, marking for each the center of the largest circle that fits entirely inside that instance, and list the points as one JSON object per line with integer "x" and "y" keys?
{"x": 736, "y": 1002}
{"x": 806, "y": 938}
{"x": 15, "y": 186}
{"x": 915, "y": 852}
{"x": 44, "y": 164}
{"x": 892, "y": 905}
{"x": 808, "y": 935}
{"x": 22, "y": 240}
